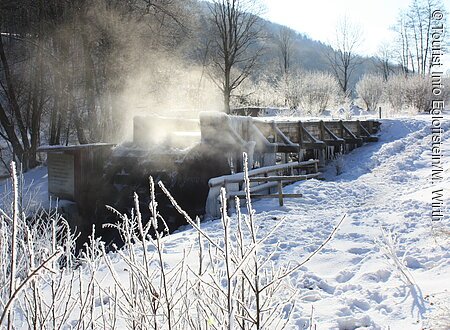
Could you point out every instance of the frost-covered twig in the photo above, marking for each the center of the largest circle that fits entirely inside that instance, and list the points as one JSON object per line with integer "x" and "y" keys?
{"x": 309, "y": 257}
{"x": 387, "y": 243}
{"x": 15, "y": 218}
{"x": 25, "y": 282}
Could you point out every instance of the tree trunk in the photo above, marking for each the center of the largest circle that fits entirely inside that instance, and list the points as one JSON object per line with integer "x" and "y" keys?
{"x": 12, "y": 97}
{"x": 226, "y": 101}
{"x": 8, "y": 126}
{"x": 89, "y": 88}
{"x": 57, "y": 95}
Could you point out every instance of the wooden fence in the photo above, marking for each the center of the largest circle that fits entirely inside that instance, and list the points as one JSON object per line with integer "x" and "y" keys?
{"x": 265, "y": 182}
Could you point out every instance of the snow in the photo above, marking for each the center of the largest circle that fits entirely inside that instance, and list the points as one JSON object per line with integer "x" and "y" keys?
{"x": 35, "y": 188}
{"x": 353, "y": 283}
{"x": 354, "y": 112}
{"x": 60, "y": 147}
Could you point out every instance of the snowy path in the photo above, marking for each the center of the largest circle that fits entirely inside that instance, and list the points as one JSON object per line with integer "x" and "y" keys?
{"x": 352, "y": 283}
{"x": 387, "y": 184}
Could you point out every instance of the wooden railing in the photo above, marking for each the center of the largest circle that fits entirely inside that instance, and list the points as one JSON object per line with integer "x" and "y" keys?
{"x": 263, "y": 182}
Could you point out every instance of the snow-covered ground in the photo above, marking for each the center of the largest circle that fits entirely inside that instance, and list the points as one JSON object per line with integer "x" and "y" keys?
{"x": 354, "y": 282}
{"x": 35, "y": 190}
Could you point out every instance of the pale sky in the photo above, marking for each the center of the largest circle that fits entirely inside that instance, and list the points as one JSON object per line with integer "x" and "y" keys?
{"x": 318, "y": 18}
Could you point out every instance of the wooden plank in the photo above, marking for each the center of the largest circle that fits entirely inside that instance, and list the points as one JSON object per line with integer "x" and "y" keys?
{"x": 349, "y": 132}
{"x": 239, "y": 177}
{"x": 285, "y": 148}
{"x": 285, "y": 178}
{"x": 253, "y": 189}
{"x": 300, "y": 132}
{"x": 334, "y": 142}
{"x": 310, "y": 136}
{"x": 333, "y": 136}
{"x": 368, "y": 137}
{"x": 275, "y": 136}
{"x": 242, "y": 194}
{"x": 363, "y": 129}
{"x": 341, "y": 128}
{"x": 372, "y": 139}
{"x": 354, "y": 141}
{"x": 284, "y": 138}
{"x": 314, "y": 145}
{"x": 322, "y": 130}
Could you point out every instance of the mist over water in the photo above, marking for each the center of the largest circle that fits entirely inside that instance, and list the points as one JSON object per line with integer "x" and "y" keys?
{"x": 94, "y": 65}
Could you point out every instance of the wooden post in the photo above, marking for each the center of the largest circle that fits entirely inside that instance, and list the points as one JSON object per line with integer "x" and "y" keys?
{"x": 379, "y": 112}
{"x": 274, "y": 132}
{"x": 300, "y": 139}
{"x": 300, "y": 133}
{"x": 280, "y": 193}
{"x": 322, "y": 131}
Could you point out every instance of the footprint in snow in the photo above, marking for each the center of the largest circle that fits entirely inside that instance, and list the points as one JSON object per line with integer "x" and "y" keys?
{"x": 355, "y": 322}
{"x": 355, "y": 235}
{"x": 358, "y": 251}
{"x": 311, "y": 296}
{"x": 377, "y": 297}
{"x": 287, "y": 245}
{"x": 412, "y": 263}
{"x": 344, "y": 311}
{"x": 359, "y": 304}
{"x": 344, "y": 276}
{"x": 381, "y": 275}
{"x": 313, "y": 282}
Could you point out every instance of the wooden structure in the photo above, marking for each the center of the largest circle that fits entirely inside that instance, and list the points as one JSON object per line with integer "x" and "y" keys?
{"x": 195, "y": 158}
{"x": 265, "y": 182}
{"x": 270, "y": 142}
{"x": 279, "y": 151}
{"x": 297, "y": 147}
{"x": 74, "y": 170}
{"x": 317, "y": 139}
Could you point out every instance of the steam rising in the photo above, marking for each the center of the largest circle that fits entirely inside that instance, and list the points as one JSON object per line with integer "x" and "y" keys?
{"x": 109, "y": 61}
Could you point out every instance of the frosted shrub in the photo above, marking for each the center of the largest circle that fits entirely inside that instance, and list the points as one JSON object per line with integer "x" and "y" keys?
{"x": 389, "y": 244}
{"x": 263, "y": 93}
{"x": 394, "y": 93}
{"x": 288, "y": 88}
{"x": 408, "y": 93}
{"x": 232, "y": 286}
{"x": 418, "y": 93}
{"x": 312, "y": 92}
{"x": 239, "y": 287}
{"x": 318, "y": 91}
{"x": 224, "y": 281}
{"x": 33, "y": 252}
{"x": 370, "y": 90}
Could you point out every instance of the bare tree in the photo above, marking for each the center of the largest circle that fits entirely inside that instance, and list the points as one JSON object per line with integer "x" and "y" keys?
{"x": 414, "y": 33}
{"x": 403, "y": 50}
{"x": 383, "y": 60}
{"x": 284, "y": 41}
{"x": 17, "y": 132}
{"x": 64, "y": 65}
{"x": 342, "y": 57}
{"x": 234, "y": 51}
